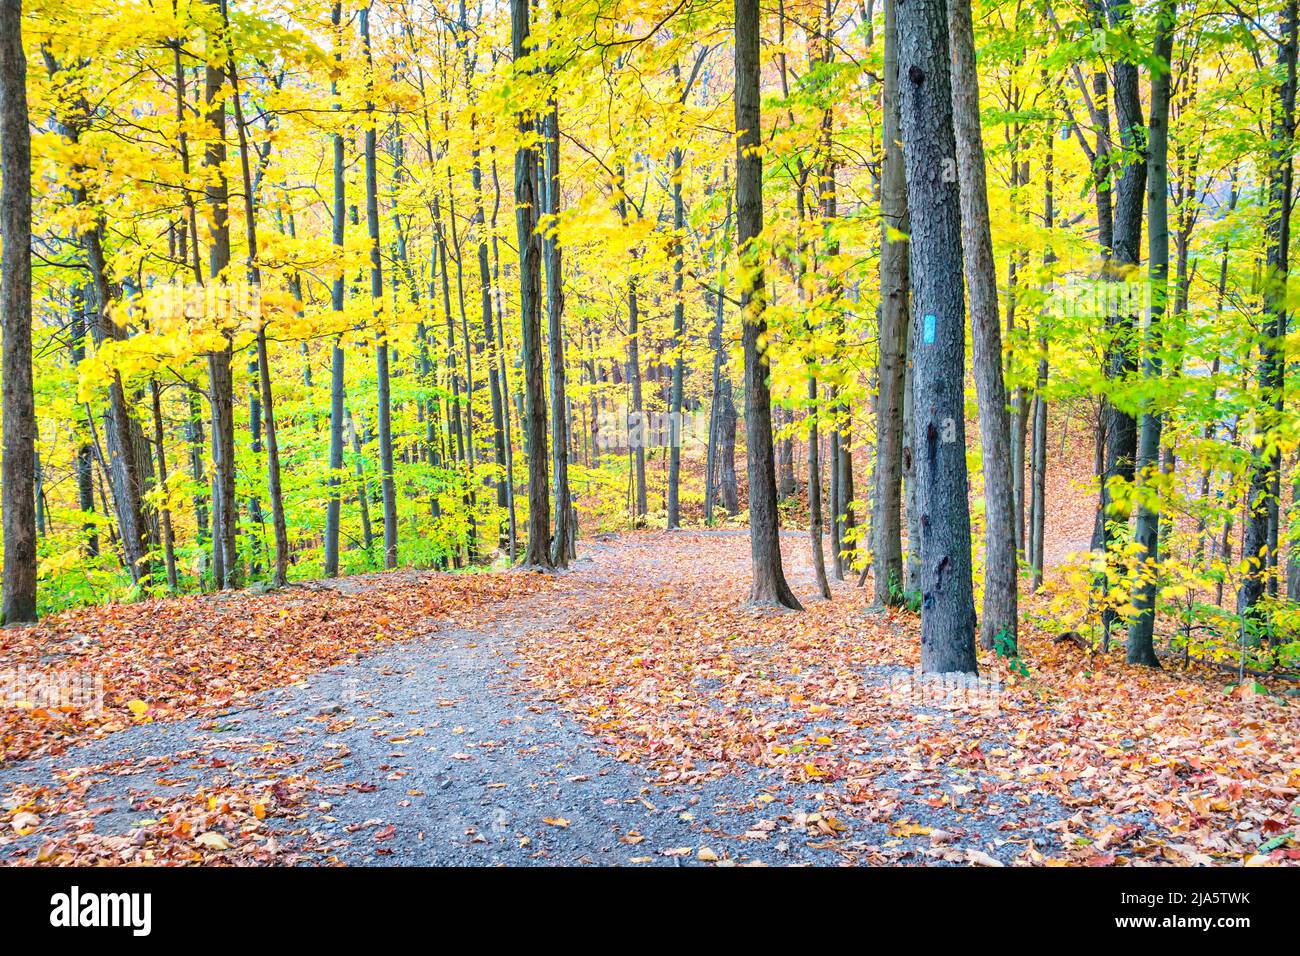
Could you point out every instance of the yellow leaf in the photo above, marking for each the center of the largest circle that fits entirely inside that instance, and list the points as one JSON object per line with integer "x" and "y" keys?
{"x": 213, "y": 841}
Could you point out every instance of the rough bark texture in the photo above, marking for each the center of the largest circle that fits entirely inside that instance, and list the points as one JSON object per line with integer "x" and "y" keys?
{"x": 886, "y": 521}
{"x": 19, "y": 461}
{"x": 1141, "y": 649}
{"x": 769, "y": 585}
{"x": 999, "y": 619}
{"x": 225, "y": 510}
{"x": 947, "y": 600}
{"x": 530, "y": 261}
{"x": 1119, "y": 425}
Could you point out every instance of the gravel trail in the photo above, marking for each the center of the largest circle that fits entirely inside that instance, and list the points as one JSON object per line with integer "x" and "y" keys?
{"x": 436, "y": 753}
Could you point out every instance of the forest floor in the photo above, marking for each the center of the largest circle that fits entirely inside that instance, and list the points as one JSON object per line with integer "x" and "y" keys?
{"x": 631, "y": 710}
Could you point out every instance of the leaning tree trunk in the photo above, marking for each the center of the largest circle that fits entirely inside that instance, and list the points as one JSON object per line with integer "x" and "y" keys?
{"x": 939, "y": 357}
{"x": 981, "y": 278}
{"x": 886, "y": 521}
{"x": 769, "y": 585}
{"x": 530, "y": 255}
{"x": 19, "y": 461}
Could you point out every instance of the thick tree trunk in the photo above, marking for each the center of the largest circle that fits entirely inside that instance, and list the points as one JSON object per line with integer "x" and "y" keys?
{"x": 530, "y": 254}
{"x": 1120, "y": 426}
{"x": 999, "y": 618}
{"x": 933, "y": 200}
{"x": 769, "y": 585}
{"x": 19, "y": 461}
{"x": 1141, "y": 649}
{"x": 886, "y": 520}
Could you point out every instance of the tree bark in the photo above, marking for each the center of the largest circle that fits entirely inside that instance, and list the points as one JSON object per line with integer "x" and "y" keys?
{"x": 769, "y": 586}
{"x": 933, "y": 200}
{"x": 561, "y": 532}
{"x": 387, "y": 485}
{"x": 1141, "y": 649}
{"x": 886, "y": 519}
{"x": 526, "y": 206}
{"x": 1130, "y": 195}
{"x": 1000, "y": 617}
{"x": 679, "y": 330}
{"x": 1262, "y": 503}
{"x": 225, "y": 554}
{"x": 19, "y": 461}
{"x": 262, "y": 364}
{"x": 337, "y": 356}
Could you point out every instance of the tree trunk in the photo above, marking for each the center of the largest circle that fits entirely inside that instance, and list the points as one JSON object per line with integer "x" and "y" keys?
{"x": 526, "y": 206}
{"x": 933, "y": 201}
{"x": 1120, "y": 427}
{"x": 85, "y": 453}
{"x": 159, "y": 439}
{"x": 384, "y": 416}
{"x": 769, "y": 586}
{"x": 1262, "y": 503}
{"x": 561, "y": 532}
{"x": 337, "y": 355}
{"x": 679, "y": 330}
{"x": 999, "y": 618}
{"x": 261, "y": 365}
{"x": 19, "y": 461}
{"x": 1141, "y": 649}
{"x": 886, "y": 520}
{"x": 225, "y": 511}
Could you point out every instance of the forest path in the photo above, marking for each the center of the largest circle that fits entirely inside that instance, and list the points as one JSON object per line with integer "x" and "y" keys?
{"x": 531, "y": 737}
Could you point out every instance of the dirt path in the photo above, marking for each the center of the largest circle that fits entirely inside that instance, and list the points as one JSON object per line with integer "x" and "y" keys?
{"x": 457, "y": 748}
